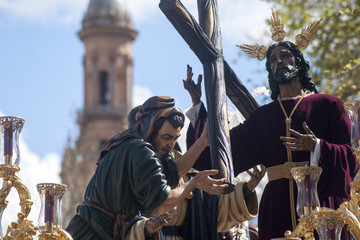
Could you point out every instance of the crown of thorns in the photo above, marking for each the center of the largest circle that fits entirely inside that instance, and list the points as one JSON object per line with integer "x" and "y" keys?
{"x": 278, "y": 34}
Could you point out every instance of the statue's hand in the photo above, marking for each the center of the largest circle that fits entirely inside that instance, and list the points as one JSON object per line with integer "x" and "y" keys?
{"x": 208, "y": 184}
{"x": 193, "y": 89}
{"x": 256, "y": 177}
{"x": 156, "y": 222}
{"x": 300, "y": 142}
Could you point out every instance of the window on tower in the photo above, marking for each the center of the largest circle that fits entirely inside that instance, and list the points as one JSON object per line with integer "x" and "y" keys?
{"x": 104, "y": 88}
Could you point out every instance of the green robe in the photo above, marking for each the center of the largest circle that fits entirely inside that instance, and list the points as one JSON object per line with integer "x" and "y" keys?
{"x": 129, "y": 179}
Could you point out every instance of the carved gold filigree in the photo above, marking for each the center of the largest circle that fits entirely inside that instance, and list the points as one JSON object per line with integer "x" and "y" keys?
{"x": 305, "y": 229}
{"x": 53, "y": 189}
{"x": 329, "y": 218}
{"x": 6, "y": 122}
{"x": 23, "y": 229}
{"x": 307, "y": 34}
{"x": 277, "y": 28}
{"x": 254, "y": 50}
{"x": 278, "y": 34}
{"x": 61, "y": 234}
{"x": 299, "y": 173}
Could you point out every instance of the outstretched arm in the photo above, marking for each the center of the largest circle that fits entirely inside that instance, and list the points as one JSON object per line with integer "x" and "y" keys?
{"x": 185, "y": 163}
{"x": 202, "y": 180}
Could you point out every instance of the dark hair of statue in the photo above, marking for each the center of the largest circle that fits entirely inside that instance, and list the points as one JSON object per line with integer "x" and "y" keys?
{"x": 176, "y": 119}
{"x": 301, "y": 63}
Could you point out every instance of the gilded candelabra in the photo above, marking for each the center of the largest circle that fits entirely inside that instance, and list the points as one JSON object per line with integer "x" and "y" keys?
{"x": 328, "y": 222}
{"x": 49, "y": 225}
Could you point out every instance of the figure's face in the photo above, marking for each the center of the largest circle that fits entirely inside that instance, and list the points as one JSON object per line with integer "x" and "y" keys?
{"x": 166, "y": 138}
{"x": 283, "y": 65}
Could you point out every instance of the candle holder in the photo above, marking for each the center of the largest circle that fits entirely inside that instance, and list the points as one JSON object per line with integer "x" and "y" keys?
{"x": 10, "y": 128}
{"x": 306, "y": 179}
{"x": 329, "y": 223}
{"x": 50, "y": 214}
{"x": 23, "y": 229}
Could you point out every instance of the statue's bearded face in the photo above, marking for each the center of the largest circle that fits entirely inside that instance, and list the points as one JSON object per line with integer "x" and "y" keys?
{"x": 283, "y": 65}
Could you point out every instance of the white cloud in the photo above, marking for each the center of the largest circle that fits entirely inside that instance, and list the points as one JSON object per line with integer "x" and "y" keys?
{"x": 242, "y": 19}
{"x": 140, "y": 95}
{"x": 260, "y": 90}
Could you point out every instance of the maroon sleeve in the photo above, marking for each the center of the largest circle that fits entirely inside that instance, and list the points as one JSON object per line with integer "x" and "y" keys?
{"x": 193, "y": 133}
{"x": 246, "y": 148}
{"x": 336, "y": 155}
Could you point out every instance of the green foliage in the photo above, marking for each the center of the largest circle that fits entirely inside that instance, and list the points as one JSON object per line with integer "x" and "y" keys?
{"x": 334, "y": 54}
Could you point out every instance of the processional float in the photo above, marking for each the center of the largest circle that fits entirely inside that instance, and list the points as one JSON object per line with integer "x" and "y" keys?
{"x": 49, "y": 222}
{"x": 327, "y": 222}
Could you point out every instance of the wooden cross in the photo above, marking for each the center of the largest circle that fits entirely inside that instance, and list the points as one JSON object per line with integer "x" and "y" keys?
{"x": 219, "y": 79}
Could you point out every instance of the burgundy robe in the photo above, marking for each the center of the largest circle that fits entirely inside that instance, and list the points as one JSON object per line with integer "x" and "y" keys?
{"x": 257, "y": 141}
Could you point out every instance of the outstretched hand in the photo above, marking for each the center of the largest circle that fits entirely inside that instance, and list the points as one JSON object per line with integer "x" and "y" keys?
{"x": 156, "y": 222}
{"x": 193, "y": 89}
{"x": 301, "y": 142}
{"x": 256, "y": 177}
{"x": 208, "y": 184}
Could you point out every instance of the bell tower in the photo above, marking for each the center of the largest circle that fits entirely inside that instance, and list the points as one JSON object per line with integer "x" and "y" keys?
{"x": 107, "y": 33}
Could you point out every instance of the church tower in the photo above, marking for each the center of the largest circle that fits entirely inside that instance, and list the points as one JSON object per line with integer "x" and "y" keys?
{"x": 107, "y": 33}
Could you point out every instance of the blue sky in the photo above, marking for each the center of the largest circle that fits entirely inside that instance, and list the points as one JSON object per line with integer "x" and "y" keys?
{"x": 41, "y": 61}
{"x": 41, "y": 72}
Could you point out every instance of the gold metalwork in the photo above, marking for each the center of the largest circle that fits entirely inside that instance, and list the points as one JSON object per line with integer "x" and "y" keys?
{"x": 54, "y": 189}
{"x": 277, "y": 28}
{"x": 347, "y": 214}
{"x": 307, "y": 34}
{"x": 302, "y": 40}
{"x": 17, "y": 122}
{"x": 61, "y": 234}
{"x": 23, "y": 229}
{"x": 328, "y": 217}
{"x": 299, "y": 173}
{"x": 254, "y": 50}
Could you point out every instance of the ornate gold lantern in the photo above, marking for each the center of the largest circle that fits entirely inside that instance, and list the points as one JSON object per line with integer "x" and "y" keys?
{"x": 10, "y": 128}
